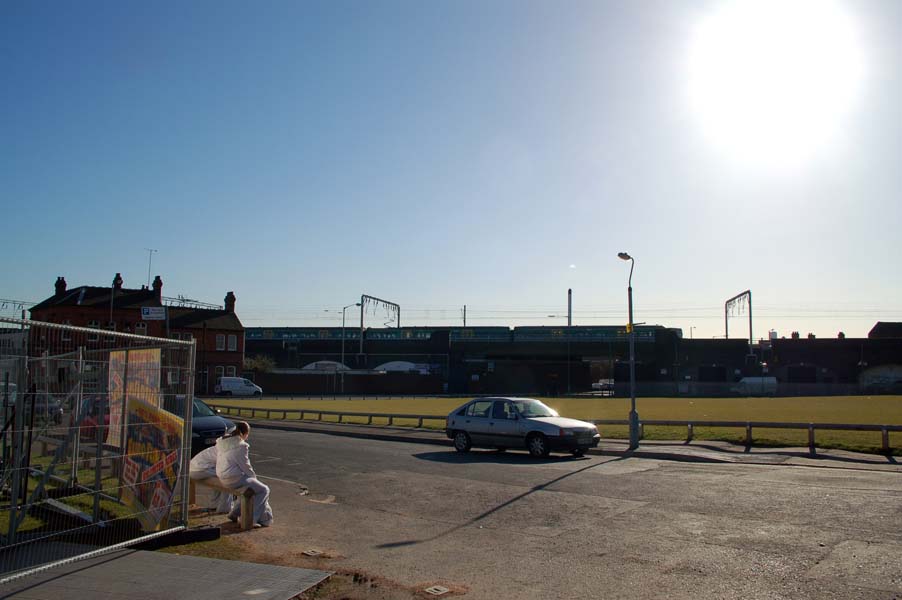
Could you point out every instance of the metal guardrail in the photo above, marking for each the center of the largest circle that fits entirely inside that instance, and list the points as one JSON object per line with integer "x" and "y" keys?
{"x": 749, "y": 425}
{"x": 319, "y": 414}
{"x": 689, "y": 425}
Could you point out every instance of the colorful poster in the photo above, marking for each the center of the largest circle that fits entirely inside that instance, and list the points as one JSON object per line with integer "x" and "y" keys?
{"x": 136, "y": 373}
{"x": 151, "y": 465}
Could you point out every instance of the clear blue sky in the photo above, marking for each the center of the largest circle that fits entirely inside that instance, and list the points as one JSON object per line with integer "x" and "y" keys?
{"x": 438, "y": 154}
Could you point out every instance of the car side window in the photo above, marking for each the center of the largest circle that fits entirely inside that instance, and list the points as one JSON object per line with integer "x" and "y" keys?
{"x": 481, "y": 409}
{"x": 498, "y": 410}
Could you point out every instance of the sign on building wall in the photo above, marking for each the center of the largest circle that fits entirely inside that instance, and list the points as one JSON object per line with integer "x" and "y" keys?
{"x": 153, "y": 313}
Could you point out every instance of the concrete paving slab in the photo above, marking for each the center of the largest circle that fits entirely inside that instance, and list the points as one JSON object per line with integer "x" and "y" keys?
{"x": 156, "y": 575}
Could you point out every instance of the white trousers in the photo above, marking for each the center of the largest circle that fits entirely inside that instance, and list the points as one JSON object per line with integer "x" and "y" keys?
{"x": 262, "y": 509}
{"x": 220, "y": 501}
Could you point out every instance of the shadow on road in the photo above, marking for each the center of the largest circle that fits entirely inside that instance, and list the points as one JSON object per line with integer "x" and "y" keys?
{"x": 493, "y": 456}
{"x": 474, "y": 457}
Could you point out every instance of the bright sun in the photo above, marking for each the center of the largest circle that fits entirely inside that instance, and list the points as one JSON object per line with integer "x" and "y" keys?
{"x": 772, "y": 80}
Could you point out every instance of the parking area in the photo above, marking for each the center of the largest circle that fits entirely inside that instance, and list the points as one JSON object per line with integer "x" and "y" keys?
{"x": 493, "y": 525}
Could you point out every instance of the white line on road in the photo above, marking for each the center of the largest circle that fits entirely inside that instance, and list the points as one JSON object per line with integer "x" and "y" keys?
{"x": 270, "y": 459}
{"x": 282, "y": 480}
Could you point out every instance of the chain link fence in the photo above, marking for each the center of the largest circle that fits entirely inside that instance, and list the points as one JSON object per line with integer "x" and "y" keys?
{"x": 96, "y": 440}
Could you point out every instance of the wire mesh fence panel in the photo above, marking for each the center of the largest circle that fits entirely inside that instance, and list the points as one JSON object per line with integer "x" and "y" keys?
{"x": 96, "y": 440}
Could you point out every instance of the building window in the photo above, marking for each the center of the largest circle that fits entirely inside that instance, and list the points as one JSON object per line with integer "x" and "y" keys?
{"x": 233, "y": 343}
{"x": 66, "y": 334}
{"x": 219, "y": 373}
{"x": 141, "y": 328}
{"x": 187, "y": 337}
{"x": 230, "y": 371}
{"x": 93, "y": 337}
{"x": 173, "y": 377}
{"x": 220, "y": 341}
{"x": 175, "y": 336}
{"x": 111, "y": 326}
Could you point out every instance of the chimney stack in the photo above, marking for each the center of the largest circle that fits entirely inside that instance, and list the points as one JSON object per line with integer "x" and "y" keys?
{"x": 158, "y": 288}
{"x": 230, "y": 302}
{"x": 117, "y": 282}
{"x": 60, "y": 285}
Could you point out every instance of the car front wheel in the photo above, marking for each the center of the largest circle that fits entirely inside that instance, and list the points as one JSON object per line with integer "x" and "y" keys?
{"x": 462, "y": 441}
{"x": 537, "y": 445}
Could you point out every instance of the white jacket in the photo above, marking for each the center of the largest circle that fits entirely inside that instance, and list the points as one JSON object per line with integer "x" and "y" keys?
{"x": 205, "y": 460}
{"x": 233, "y": 463}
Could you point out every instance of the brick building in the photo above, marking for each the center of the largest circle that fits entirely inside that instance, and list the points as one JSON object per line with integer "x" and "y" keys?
{"x": 218, "y": 332}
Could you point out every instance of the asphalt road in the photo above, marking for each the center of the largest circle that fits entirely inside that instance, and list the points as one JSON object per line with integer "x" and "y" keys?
{"x": 506, "y": 526}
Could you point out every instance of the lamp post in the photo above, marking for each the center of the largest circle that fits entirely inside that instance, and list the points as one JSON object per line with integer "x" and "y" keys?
{"x": 343, "y": 344}
{"x": 634, "y": 416}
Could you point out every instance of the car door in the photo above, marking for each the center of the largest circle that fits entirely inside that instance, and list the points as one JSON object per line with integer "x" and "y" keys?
{"x": 476, "y": 422}
{"x": 504, "y": 427}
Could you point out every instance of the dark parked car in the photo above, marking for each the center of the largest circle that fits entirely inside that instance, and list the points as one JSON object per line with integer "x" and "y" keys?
{"x": 206, "y": 424}
{"x": 518, "y": 423}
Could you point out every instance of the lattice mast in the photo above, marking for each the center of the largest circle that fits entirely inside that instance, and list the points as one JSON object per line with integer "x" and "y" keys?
{"x": 391, "y": 309}
{"x": 738, "y": 303}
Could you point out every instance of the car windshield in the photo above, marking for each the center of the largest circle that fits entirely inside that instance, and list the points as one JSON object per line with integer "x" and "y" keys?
{"x": 202, "y": 410}
{"x": 533, "y": 408}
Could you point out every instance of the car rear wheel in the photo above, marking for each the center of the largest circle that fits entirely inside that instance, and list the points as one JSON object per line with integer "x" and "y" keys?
{"x": 577, "y": 452}
{"x": 537, "y": 445}
{"x": 462, "y": 441}
{"x": 257, "y": 394}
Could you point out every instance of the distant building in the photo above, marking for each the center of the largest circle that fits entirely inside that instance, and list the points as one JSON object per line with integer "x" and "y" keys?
{"x": 218, "y": 332}
{"x": 885, "y": 329}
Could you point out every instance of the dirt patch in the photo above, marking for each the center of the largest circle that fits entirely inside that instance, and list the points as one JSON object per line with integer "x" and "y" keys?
{"x": 344, "y": 584}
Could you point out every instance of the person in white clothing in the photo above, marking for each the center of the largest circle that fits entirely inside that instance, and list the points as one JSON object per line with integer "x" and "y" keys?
{"x": 233, "y": 467}
{"x": 203, "y": 466}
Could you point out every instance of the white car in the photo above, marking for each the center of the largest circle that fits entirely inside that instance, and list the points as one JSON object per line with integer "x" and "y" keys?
{"x": 518, "y": 423}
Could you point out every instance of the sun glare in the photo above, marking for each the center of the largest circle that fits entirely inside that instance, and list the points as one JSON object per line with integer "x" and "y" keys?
{"x": 772, "y": 80}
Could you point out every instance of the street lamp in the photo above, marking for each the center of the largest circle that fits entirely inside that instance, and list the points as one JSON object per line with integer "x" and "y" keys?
{"x": 343, "y": 344}
{"x": 634, "y": 416}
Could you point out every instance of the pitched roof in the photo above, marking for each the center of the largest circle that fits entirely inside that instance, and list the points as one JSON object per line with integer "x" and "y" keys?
{"x": 92, "y": 296}
{"x": 195, "y": 318}
{"x": 885, "y": 329}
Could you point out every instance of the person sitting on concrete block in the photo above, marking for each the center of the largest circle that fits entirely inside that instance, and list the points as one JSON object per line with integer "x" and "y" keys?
{"x": 233, "y": 467}
{"x": 203, "y": 466}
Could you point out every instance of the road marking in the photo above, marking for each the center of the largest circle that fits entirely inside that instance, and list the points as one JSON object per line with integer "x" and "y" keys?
{"x": 282, "y": 480}
{"x": 270, "y": 459}
{"x": 329, "y": 499}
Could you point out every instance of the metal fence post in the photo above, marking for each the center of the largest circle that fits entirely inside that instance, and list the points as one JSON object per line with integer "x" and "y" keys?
{"x": 811, "y": 448}
{"x": 748, "y": 435}
{"x": 688, "y": 433}
{"x": 884, "y": 433}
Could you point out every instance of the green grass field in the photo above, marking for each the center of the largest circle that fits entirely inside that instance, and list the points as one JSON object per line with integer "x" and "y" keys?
{"x": 880, "y": 410}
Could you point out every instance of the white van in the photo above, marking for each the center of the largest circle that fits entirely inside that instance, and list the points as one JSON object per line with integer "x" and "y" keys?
{"x": 755, "y": 386}
{"x": 237, "y": 386}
